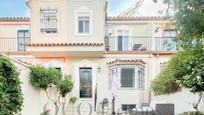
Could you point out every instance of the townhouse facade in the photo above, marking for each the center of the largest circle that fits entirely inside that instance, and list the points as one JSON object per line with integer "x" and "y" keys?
{"x": 107, "y": 57}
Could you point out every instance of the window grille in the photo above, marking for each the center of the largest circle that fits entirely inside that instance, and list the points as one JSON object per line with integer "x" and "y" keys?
{"x": 127, "y": 77}
{"x": 48, "y": 20}
{"x": 23, "y": 37}
{"x": 130, "y": 76}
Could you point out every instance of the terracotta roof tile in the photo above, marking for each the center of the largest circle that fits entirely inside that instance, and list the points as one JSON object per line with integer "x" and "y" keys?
{"x": 14, "y": 19}
{"x": 135, "y": 18}
{"x": 126, "y": 61}
{"x": 65, "y": 44}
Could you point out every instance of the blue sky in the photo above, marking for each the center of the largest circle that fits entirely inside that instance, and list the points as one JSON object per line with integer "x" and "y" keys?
{"x": 9, "y": 8}
{"x": 14, "y": 8}
{"x": 117, "y": 6}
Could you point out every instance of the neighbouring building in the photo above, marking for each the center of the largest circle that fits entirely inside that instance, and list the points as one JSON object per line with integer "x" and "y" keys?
{"x": 106, "y": 56}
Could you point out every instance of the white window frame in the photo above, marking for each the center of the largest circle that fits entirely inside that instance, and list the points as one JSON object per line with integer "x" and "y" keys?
{"x": 84, "y": 24}
{"x": 124, "y": 28}
{"x": 112, "y": 72}
{"x": 141, "y": 79}
{"x": 76, "y": 88}
{"x": 83, "y": 12}
{"x": 57, "y": 23}
{"x": 118, "y": 68}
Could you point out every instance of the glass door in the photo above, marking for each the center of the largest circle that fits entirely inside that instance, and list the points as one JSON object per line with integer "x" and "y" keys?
{"x": 23, "y": 38}
{"x": 123, "y": 40}
{"x": 85, "y": 82}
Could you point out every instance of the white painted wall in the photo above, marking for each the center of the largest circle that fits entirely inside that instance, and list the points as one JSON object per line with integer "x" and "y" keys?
{"x": 182, "y": 101}
{"x": 34, "y": 99}
{"x": 67, "y": 23}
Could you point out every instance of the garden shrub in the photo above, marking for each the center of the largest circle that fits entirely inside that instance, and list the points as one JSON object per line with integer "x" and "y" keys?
{"x": 167, "y": 80}
{"x": 65, "y": 86}
{"x": 44, "y": 78}
{"x": 11, "y": 97}
{"x": 41, "y": 77}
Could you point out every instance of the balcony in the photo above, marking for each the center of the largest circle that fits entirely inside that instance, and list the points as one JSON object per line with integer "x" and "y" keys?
{"x": 134, "y": 43}
{"x": 12, "y": 44}
{"x": 140, "y": 43}
{"x": 23, "y": 45}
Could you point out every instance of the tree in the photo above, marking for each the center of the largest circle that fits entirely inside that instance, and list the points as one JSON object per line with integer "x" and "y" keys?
{"x": 185, "y": 69}
{"x": 44, "y": 78}
{"x": 11, "y": 97}
{"x": 188, "y": 19}
{"x": 167, "y": 81}
{"x": 194, "y": 80}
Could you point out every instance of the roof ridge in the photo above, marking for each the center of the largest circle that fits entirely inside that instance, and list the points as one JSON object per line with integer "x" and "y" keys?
{"x": 14, "y": 18}
{"x": 135, "y": 16}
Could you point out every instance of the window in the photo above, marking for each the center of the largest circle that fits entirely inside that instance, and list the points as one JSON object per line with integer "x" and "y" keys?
{"x": 48, "y": 20}
{"x": 110, "y": 80}
{"x": 168, "y": 43}
{"x": 127, "y": 77}
{"x": 23, "y": 38}
{"x": 58, "y": 69}
{"x": 113, "y": 72}
{"x": 141, "y": 78}
{"x": 84, "y": 24}
{"x": 85, "y": 82}
{"x": 123, "y": 40}
{"x": 128, "y": 107}
{"x": 169, "y": 33}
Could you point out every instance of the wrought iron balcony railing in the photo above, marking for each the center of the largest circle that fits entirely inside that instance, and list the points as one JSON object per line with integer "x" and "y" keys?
{"x": 165, "y": 44}
{"x": 120, "y": 43}
{"x": 14, "y": 44}
{"x": 140, "y": 43}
